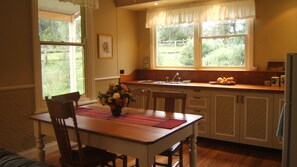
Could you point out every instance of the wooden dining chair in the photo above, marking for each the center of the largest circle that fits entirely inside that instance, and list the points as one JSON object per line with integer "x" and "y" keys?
{"x": 73, "y": 96}
{"x": 141, "y": 98}
{"x": 170, "y": 98}
{"x": 84, "y": 156}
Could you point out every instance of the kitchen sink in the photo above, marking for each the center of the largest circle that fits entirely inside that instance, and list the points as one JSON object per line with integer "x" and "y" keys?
{"x": 165, "y": 82}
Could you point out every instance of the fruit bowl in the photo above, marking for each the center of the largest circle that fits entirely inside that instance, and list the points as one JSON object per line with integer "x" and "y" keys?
{"x": 224, "y": 81}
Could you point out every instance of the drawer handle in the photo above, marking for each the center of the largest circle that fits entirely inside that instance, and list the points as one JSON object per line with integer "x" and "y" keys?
{"x": 196, "y": 97}
{"x": 196, "y": 90}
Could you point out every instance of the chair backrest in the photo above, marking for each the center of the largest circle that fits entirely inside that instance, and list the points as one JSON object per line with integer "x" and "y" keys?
{"x": 74, "y": 96}
{"x": 170, "y": 98}
{"x": 142, "y": 98}
{"x": 59, "y": 113}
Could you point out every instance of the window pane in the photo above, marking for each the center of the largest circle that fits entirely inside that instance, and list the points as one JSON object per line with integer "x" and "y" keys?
{"x": 224, "y": 28}
{"x": 175, "y": 45}
{"x": 62, "y": 69}
{"x": 59, "y": 21}
{"x": 51, "y": 30}
{"x": 223, "y": 52}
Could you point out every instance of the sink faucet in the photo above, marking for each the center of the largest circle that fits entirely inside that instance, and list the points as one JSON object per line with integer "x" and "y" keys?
{"x": 177, "y": 74}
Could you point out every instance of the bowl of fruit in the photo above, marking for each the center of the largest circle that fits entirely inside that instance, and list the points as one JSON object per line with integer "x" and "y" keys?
{"x": 224, "y": 81}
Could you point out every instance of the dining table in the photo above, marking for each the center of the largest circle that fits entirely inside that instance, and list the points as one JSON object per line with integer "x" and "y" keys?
{"x": 139, "y": 133}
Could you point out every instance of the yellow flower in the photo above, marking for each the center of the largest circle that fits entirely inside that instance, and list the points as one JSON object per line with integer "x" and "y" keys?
{"x": 116, "y": 96}
{"x": 109, "y": 99}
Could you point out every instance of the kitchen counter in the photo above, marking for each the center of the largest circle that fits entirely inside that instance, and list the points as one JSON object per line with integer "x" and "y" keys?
{"x": 239, "y": 87}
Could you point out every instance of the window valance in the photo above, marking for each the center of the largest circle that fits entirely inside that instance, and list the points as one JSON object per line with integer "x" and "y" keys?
{"x": 201, "y": 12}
{"x": 86, "y": 3}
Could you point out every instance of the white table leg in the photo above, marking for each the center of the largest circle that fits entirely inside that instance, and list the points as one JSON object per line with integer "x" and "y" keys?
{"x": 144, "y": 162}
{"x": 39, "y": 140}
{"x": 193, "y": 146}
{"x": 40, "y": 148}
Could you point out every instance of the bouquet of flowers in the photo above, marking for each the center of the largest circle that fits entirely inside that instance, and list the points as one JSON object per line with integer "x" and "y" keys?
{"x": 116, "y": 96}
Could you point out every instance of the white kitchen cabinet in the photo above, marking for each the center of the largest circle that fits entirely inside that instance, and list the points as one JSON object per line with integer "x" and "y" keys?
{"x": 225, "y": 116}
{"x": 279, "y": 101}
{"x": 198, "y": 102}
{"x": 257, "y": 119}
{"x": 242, "y": 117}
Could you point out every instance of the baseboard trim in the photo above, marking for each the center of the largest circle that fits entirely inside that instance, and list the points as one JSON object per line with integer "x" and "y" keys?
{"x": 31, "y": 153}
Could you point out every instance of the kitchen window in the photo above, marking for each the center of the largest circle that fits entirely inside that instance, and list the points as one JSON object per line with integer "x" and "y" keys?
{"x": 206, "y": 45}
{"x": 61, "y": 63}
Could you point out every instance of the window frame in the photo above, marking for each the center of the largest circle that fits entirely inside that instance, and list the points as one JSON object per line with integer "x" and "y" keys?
{"x": 198, "y": 49}
{"x": 87, "y": 29}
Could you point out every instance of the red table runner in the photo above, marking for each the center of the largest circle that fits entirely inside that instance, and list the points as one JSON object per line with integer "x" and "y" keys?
{"x": 131, "y": 118}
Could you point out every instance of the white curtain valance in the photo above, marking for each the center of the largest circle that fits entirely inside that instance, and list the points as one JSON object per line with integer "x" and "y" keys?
{"x": 201, "y": 12}
{"x": 86, "y": 3}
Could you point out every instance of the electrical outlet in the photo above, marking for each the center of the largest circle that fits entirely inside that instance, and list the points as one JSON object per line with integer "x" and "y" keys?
{"x": 122, "y": 71}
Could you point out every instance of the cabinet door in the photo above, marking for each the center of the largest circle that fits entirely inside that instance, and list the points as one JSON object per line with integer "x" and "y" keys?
{"x": 279, "y": 102}
{"x": 225, "y": 116}
{"x": 256, "y": 119}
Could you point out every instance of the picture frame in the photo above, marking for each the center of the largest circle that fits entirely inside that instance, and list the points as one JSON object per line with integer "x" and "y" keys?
{"x": 104, "y": 46}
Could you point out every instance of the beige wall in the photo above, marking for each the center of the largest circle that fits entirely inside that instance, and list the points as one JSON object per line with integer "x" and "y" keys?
{"x": 105, "y": 22}
{"x": 16, "y": 76}
{"x": 143, "y": 38}
{"x": 16, "y": 64}
{"x": 275, "y": 32}
{"x": 121, "y": 24}
{"x": 127, "y": 40}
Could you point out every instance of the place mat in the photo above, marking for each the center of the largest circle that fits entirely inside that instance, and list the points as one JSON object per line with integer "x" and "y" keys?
{"x": 131, "y": 118}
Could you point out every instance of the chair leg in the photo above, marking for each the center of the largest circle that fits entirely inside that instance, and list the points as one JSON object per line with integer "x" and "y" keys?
{"x": 125, "y": 160}
{"x": 137, "y": 162}
{"x": 169, "y": 160}
{"x": 181, "y": 159}
{"x": 114, "y": 163}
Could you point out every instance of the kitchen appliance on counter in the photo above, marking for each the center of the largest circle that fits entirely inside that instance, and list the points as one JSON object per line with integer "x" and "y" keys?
{"x": 290, "y": 113}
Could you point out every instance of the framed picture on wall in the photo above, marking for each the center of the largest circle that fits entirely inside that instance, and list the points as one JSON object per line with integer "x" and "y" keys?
{"x": 104, "y": 46}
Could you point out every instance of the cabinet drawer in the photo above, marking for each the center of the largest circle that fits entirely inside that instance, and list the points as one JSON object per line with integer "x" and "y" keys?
{"x": 203, "y": 129}
{"x": 198, "y": 92}
{"x": 198, "y": 102}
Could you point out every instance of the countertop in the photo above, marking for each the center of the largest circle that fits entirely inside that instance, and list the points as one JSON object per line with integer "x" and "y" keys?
{"x": 242, "y": 87}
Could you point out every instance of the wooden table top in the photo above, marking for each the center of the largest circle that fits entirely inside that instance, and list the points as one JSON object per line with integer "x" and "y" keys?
{"x": 127, "y": 131}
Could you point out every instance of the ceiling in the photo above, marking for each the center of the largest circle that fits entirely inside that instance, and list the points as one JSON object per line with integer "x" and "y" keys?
{"x": 70, "y": 9}
{"x": 149, "y": 4}
{"x": 58, "y": 7}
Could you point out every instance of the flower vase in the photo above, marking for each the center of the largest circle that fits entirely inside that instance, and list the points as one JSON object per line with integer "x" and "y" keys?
{"x": 116, "y": 111}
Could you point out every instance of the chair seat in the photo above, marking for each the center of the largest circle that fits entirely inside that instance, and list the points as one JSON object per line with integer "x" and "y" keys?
{"x": 172, "y": 149}
{"x": 93, "y": 156}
